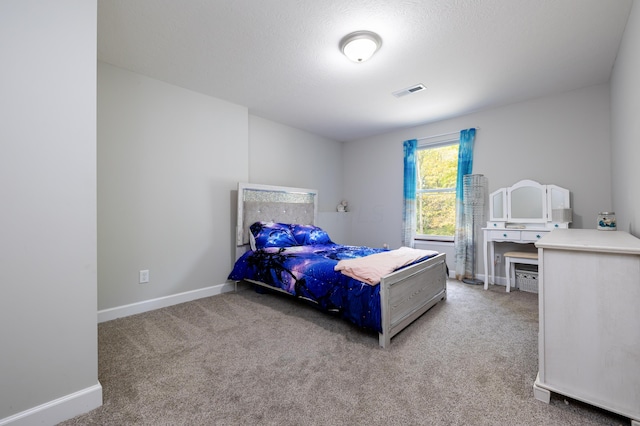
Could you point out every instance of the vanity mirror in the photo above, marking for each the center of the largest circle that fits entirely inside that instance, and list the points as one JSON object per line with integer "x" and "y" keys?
{"x": 527, "y": 202}
{"x": 498, "y": 205}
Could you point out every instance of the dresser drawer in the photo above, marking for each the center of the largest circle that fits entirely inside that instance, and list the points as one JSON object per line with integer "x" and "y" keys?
{"x": 504, "y": 234}
{"x": 532, "y": 235}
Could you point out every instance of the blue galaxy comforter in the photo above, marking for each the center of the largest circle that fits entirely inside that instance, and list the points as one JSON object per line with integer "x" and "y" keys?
{"x": 306, "y": 271}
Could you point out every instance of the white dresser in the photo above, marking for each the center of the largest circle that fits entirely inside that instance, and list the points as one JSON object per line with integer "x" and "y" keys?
{"x": 589, "y": 334}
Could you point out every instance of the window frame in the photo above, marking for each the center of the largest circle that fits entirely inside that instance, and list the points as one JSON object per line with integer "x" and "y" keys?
{"x": 430, "y": 145}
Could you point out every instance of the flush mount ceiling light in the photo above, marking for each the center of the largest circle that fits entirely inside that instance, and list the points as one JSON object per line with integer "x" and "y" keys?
{"x": 360, "y": 45}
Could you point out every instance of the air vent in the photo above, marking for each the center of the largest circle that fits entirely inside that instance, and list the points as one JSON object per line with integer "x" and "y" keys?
{"x": 409, "y": 90}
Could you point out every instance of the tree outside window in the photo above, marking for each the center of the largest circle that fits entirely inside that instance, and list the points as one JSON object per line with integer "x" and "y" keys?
{"x": 437, "y": 168}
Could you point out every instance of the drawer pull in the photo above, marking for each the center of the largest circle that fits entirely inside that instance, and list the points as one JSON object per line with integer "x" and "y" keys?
{"x": 538, "y": 236}
{"x": 504, "y": 235}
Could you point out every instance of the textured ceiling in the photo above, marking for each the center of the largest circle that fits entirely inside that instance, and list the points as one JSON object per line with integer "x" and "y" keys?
{"x": 280, "y": 58}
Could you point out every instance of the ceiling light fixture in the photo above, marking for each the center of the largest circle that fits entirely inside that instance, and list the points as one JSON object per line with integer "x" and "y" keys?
{"x": 360, "y": 45}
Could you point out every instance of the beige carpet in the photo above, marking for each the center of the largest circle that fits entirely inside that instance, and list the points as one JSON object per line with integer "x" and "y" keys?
{"x": 246, "y": 358}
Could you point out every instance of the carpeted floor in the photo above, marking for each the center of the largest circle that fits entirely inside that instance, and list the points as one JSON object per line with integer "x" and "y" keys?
{"x": 252, "y": 359}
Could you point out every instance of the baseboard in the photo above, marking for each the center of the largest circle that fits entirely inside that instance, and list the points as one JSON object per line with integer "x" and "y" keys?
{"x": 162, "y": 302}
{"x": 498, "y": 280}
{"x": 58, "y": 410}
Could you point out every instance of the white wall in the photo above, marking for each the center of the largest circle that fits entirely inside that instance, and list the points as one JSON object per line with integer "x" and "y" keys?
{"x": 282, "y": 155}
{"x": 625, "y": 127}
{"x": 561, "y": 139}
{"x": 48, "y": 333}
{"x": 169, "y": 161}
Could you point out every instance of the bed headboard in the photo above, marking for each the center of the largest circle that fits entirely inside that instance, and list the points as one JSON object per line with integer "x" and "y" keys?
{"x": 273, "y": 204}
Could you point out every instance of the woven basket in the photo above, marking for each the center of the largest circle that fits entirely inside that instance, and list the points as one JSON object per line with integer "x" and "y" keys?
{"x": 527, "y": 280}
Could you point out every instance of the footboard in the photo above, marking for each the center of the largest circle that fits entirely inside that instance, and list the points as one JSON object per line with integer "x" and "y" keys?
{"x": 410, "y": 292}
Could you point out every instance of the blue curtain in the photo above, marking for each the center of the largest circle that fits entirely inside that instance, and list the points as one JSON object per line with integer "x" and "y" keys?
{"x": 465, "y": 167}
{"x": 409, "y": 210}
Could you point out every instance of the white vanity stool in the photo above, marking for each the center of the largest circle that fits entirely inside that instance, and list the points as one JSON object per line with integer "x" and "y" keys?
{"x": 513, "y": 257}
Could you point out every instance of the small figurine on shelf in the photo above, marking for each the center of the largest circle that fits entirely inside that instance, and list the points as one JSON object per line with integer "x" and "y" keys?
{"x": 342, "y": 207}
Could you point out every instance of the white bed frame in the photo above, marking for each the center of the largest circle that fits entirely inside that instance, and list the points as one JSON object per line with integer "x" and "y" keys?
{"x": 404, "y": 295}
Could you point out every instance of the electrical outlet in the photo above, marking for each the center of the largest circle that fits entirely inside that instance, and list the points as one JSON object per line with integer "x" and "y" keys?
{"x": 144, "y": 276}
{"x": 498, "y": 258}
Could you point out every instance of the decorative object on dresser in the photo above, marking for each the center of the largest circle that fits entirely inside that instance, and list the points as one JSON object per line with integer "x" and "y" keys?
{"x": 475, "y": 192}
{"x": 589, "y": 331}
{"x": 523, "y": 213}
{"x": 607, "y": 221}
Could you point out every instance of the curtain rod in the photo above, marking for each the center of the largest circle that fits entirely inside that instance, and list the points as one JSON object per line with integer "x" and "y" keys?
{"x": 442, "y": 134}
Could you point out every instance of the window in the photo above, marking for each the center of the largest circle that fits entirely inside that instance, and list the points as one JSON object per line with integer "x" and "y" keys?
{"x": 437, "y": 169}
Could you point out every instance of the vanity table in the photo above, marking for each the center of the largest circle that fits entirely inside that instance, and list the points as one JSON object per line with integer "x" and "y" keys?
{"x": 523, "y": 213}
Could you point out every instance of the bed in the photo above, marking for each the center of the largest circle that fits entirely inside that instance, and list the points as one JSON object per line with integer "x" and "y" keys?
{"x": 280, "y": 248}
